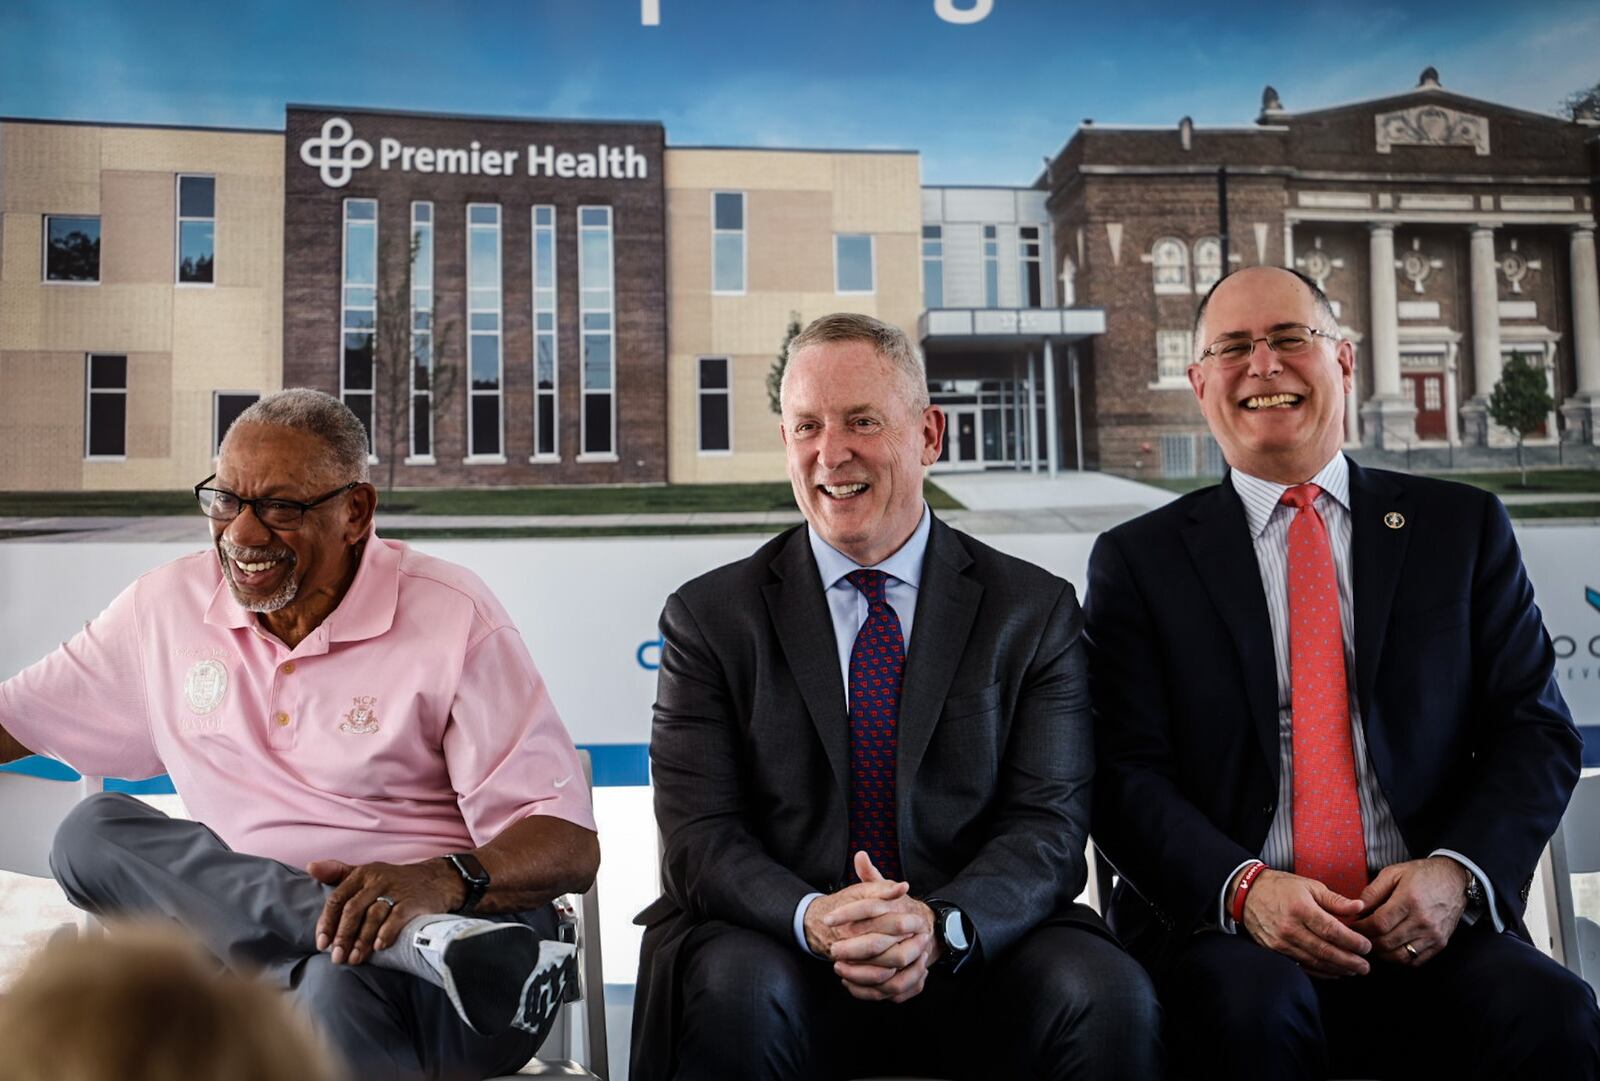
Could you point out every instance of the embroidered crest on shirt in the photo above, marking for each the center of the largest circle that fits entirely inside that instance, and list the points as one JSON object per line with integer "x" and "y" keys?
{"x": 205, "y": 685}
{"x": 363, "y": 718}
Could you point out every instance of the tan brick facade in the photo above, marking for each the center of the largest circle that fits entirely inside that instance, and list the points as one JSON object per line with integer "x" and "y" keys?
{"x": 795, "y": 203}
{"x": 181, "y": 342}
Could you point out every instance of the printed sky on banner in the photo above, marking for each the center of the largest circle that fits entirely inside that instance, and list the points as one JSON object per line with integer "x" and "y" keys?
{"x": 981, "y": 99}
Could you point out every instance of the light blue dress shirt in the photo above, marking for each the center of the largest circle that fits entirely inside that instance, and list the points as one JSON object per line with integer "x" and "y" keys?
{"x": 848, "y": 608}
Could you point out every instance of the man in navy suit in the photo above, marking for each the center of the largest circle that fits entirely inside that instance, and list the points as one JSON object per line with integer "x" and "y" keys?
{"x": 1330, "y": 744}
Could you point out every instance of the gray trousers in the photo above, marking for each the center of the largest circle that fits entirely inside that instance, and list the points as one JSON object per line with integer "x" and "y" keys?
{"x": 114, "y": 855}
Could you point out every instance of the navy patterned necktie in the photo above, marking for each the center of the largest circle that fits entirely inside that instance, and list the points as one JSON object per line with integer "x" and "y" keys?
{"x": 876, "y": 663}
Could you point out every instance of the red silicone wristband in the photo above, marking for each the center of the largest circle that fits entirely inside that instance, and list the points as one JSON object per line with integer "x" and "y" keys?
{"x": 1246, "y": 880}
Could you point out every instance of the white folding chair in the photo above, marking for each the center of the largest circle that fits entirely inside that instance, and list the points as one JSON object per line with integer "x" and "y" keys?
{"x": 583, "y": 1019}
{"x": 30, "y": 810}
{"x": 1575, "y": 850}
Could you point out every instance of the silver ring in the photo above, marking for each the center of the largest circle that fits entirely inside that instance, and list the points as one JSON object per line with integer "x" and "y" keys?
{"x": 1412, "y": 950}
{"x": 390, "y": 902}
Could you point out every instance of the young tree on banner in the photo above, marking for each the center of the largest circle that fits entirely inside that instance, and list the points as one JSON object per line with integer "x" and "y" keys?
{"x": 775, "y": 375}
{"x": 1520, "y": 402}
{"x": 406, "y": 350}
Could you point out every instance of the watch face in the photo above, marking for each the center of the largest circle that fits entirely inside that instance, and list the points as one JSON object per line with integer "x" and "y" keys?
{"x": 955, "y": 931}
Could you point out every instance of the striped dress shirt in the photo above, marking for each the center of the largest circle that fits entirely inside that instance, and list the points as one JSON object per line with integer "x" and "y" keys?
{"x": 1269, "y": 530}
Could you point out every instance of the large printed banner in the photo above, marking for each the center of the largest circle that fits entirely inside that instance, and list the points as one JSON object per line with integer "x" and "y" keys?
{"x": 588, "y": 608}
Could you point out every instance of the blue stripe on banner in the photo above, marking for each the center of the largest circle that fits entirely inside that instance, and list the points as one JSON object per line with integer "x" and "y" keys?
{"x": 1591, "y": 743}
{"x": 615, "y": 764}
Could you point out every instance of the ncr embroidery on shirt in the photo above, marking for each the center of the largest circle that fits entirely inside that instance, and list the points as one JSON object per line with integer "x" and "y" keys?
{"x": 363, "y": 718}
{"x": 205, "y": 685}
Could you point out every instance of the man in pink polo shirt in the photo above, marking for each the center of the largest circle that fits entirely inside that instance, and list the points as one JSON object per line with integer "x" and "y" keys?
{"x": 366, "y": 747}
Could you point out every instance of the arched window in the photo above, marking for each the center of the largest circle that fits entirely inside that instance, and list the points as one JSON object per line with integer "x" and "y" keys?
{"x": 1207, "y": 263}
{"x": 1170, "y": 258}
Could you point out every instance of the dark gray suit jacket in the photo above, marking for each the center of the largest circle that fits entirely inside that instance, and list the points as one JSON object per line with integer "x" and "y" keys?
{"x": 750, "y": 754}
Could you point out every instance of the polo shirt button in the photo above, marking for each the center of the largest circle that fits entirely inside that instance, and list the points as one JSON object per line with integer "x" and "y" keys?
{"x": 282, "y": 719}
{"x": 288, "y": 668}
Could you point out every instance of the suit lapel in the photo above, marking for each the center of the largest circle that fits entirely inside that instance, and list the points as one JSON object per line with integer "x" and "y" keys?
{"x": 800, "y": 616}
{"x": 1377, "y": 552}
{"x": 947, "y": 605}
{"x": 1218, "y": 539}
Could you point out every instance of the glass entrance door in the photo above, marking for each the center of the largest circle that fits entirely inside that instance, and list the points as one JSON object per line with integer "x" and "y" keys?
{"x": 963, "y": 438}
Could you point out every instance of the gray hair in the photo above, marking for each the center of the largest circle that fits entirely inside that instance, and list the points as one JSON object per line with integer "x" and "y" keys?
{"x": 321, "y": 415}
{"x": 889, "y": 342}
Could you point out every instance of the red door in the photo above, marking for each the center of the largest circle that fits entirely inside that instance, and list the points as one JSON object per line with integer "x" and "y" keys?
{"x": 1427, "y": 390}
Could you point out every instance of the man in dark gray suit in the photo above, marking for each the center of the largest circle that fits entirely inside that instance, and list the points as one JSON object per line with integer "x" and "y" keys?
{"x": 872, "y": 763}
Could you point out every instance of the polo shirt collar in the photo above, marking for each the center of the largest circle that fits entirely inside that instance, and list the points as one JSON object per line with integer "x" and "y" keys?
{"x": 1260, "y": 497}
{"x": 365, "y": 611}
{"x": 905, "y": 564}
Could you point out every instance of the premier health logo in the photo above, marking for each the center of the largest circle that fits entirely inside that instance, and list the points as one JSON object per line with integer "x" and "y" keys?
{"x": 337, "y": 154}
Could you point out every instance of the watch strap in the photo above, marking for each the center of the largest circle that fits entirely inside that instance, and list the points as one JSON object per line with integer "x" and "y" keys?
{"x": 473, "y": 875}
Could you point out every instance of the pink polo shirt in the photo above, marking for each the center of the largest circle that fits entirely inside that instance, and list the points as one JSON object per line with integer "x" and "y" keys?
{"x": 411, "y": 723}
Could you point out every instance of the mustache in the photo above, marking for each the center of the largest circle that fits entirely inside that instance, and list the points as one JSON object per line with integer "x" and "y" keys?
{"x": 252, "y": 555}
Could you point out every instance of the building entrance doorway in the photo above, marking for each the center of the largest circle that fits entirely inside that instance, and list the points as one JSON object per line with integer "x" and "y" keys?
{"x": 963, "y": 437}
{"x": 1427, "y": 391}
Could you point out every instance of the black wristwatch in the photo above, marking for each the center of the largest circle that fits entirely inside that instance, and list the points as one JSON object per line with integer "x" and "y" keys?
{"x": 954, "y": 932}
{"x": 473, "y": 874}
{"x": 1475, "y": 902}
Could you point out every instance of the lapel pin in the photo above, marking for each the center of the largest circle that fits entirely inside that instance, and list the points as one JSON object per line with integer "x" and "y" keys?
{"x": 1394, "y": 519}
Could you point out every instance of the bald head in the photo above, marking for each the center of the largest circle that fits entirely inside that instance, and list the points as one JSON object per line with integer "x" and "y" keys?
{"x": 1244, "y": 279}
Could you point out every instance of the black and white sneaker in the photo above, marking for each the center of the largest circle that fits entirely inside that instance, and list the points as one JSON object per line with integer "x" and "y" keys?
{"x": 553, "y": 982}
{"x": 498, "y": 975}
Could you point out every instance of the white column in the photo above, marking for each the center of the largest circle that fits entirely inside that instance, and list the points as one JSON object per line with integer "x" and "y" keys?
{"x": 1389, "y": 415}
{"x": 1032, "y": 416}
{"x": 1077, "y": 404}
{"x": 1452, "y": 425}
{"x": 1288, "y": 244}
{"x": 1585, "y": 310}
{"x": 1052, "y": 432}
{"x": 1385, "y": 314}
{"x": 1485, "y": 337}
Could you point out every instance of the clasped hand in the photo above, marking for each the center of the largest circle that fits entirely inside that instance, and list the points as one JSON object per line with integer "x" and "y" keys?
{"x": 879, "y": 938}
{"x": 1417, "y": 903}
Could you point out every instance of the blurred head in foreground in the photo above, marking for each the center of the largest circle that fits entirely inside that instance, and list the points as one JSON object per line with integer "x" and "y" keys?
{"x": 145, "y": 1004}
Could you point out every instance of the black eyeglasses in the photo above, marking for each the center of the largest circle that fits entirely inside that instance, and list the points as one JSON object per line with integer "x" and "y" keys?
{"x": 1287, "y": 342}
{"x": 285, "y": 514}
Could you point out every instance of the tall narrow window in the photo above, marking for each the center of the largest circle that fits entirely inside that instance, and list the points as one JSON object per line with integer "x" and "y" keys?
{"x": 71, "y": 249}
{"x": 716, "y": 409}
{"x": 991, "y": 266}
{"x": 544, "y": 332}
{"x": 933, "y": 266}
{"x": 360, "y": 314}
{"x": 226, "y": 405}
{"x": 852, "y": 263}
{"x": 1169, "y": 258}
{"x": 483, "y": 331}
{"x": 197, "y": 229}
{"x": 727, "y": 242}
{"x": 105, "y": 407}
{"x": 1030, "y": 266}
{"x": 1207, "y": 263}
{"x": 1174, "y": 353}
{"x": 596, "y": 313}
{"x": 422, "y": 330}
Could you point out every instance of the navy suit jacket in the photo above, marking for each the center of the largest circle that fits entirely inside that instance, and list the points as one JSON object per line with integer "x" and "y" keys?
{"x": 1468, "y": 735}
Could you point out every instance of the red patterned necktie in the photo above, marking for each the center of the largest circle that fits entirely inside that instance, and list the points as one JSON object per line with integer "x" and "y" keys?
{"x": 1328, "y": 844}
{"x": 876, "y": 662}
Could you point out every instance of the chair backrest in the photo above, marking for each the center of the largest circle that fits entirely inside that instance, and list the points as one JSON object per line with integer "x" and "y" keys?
{"x": 1575, "y": 850}
{"x": 30, "y": 810}
{"x": 557, "y": 1056}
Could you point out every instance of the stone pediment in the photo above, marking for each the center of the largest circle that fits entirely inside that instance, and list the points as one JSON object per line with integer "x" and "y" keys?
{"x": 1431, "y": 124}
